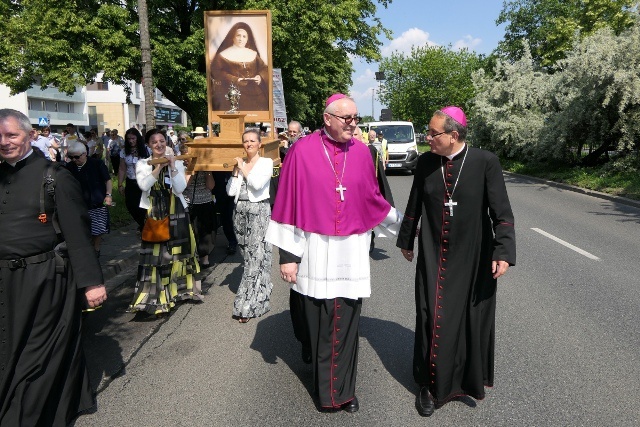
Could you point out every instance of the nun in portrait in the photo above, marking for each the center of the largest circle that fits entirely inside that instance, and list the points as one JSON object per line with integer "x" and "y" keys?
{"x": 237, "y": 61}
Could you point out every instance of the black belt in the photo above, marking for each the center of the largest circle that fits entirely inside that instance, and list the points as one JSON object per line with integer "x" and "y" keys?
{"x": 22, "y": 262}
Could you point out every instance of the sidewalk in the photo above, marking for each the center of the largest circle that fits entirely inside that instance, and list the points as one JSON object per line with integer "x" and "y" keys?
{"x": 119, "y": 250}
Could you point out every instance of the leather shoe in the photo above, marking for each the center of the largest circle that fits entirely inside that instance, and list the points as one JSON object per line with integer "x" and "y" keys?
{"x": 424, "y": 402}
{"x": 306, "y": 355}
{"x": 351, "y": 406}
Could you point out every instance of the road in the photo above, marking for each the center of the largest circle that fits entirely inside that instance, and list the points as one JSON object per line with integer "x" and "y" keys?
{"x": 568, "y": 335}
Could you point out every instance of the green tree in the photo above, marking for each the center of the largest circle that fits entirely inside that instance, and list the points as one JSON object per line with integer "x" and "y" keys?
{"x": 427, "y": 79}
{"x": 66, "y": 44}
{"x": 591, "y": 101}
{"x": 550, "y": 27}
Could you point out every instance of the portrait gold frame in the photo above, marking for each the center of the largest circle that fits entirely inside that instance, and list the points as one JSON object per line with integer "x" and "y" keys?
{"x": 216, "y": 26}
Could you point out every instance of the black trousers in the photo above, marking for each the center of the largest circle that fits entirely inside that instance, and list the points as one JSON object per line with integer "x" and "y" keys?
{"x": 225, "y": 207}
{"x": 132, "y": 194}
{"x": 334, "y": 332}
{"x": 203, "y": 220}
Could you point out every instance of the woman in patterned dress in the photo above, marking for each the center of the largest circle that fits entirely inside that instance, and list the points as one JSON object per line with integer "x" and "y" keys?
{"x": 167, "y": 270}
{"x": 249, "y": 185}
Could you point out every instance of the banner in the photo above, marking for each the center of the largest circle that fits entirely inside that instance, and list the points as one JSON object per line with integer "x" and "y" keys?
{"x": 279, "y": 108}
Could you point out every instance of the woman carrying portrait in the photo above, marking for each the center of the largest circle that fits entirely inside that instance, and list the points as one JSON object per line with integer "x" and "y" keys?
{"x": 249, "y": 185}
{"x": 134, "y": 150}
{"x": 167, "y": 269}
{"x": 202, "y": 211}
{"x": 237, "y": 61}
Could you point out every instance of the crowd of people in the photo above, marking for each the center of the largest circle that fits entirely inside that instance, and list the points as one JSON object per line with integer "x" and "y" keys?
{"x": 324, "y": 243}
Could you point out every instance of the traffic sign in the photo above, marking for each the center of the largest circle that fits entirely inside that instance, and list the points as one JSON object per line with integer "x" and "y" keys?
{"x": 43, "y": 121}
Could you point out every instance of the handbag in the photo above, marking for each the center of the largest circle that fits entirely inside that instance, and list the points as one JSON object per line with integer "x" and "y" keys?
{"x": 156, "y": 230}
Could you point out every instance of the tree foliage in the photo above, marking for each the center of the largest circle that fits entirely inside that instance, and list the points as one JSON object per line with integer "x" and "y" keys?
{"x": 427, "y": 79}
{"x": 65, "y": 44}
{"x": 550, "y": 27}
{"x": 592, "y": 101}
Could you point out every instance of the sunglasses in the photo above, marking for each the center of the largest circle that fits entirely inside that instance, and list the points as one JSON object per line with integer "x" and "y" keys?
{"x": 75, "y": 157}
{"x": 348, "y": 119}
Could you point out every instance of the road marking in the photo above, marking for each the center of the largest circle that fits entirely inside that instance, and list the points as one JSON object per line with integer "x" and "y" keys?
{"x": 569, "y": 245}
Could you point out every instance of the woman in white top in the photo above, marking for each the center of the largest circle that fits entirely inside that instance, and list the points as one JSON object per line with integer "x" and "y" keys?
{"x": 134, "y": 150}
{"x": 249, "y": 185}
{"x": 167, "y": 269}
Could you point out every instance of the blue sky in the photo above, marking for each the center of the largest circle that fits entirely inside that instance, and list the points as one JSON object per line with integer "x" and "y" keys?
{"x": 459, "y": 23}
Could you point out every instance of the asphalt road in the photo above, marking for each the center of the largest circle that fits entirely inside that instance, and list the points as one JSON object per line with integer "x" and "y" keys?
{"x": 568, "y": 335}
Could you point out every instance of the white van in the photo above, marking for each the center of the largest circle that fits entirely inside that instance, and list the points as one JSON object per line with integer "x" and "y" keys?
{"x": 401, "y": 143}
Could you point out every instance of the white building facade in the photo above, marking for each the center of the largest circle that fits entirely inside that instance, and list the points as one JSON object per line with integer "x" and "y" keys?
{"x": 101, "y": 105}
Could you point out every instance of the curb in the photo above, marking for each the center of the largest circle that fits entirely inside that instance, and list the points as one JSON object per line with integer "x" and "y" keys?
{"x": 593, "y": 193}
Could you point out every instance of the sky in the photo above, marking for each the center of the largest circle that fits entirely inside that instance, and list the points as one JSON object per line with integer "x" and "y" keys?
{"x": 459, "y": 23}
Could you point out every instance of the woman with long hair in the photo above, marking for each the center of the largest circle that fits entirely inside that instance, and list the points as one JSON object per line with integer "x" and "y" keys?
{"x": 134, "y": 150}
{"x": 237, "y": 61}
{"x": 167, "y": 269}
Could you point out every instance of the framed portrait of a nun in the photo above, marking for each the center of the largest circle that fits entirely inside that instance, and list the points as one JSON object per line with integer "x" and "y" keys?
{"x": 238, "y": 55}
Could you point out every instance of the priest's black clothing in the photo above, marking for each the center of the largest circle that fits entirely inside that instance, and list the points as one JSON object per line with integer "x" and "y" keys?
{"x": 381, "y": 176}
{"x": 455, "y": 293}
{"x": 43, "y": 378}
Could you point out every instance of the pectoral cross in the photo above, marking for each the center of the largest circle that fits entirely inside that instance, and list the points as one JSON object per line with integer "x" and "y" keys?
{"x": 450, "y": 204}
{"x": 341, "y": 189}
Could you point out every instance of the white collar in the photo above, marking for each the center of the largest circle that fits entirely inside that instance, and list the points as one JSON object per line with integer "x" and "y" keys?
{"x": 457, "y": 152}
{"x": 23, "y": 157}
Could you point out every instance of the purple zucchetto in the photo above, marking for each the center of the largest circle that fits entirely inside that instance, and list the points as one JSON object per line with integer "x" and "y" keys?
{"x": 334, "y": 98}
{"x": 456, "y": 114}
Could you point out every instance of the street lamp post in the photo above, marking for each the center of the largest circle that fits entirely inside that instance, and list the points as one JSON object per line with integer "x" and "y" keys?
{"x": 373, "y": 92}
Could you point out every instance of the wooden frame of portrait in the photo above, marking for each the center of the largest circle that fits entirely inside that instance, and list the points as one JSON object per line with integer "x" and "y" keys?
{"x": 218, "y": 26}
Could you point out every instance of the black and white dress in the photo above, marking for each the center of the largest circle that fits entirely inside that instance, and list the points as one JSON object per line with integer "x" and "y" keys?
{"x": 250, "y": 223}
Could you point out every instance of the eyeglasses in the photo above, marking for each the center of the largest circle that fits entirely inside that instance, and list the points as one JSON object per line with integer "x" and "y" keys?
{"x": 433, "y": 135}
{"x": 348, "y": 119}
{"x": 75, "y": 157}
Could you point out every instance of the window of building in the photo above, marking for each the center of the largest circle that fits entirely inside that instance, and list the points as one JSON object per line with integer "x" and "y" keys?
{"x": 98, "y": 86}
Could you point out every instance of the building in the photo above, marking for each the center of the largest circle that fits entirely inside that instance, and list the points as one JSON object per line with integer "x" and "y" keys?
{"x": 100, "y": 105}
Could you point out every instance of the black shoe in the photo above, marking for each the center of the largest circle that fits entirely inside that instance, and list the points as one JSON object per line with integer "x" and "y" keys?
{"x": 306, "y": 355}
{"x": 424, "y": 402}
{"x": 351, "y": 406}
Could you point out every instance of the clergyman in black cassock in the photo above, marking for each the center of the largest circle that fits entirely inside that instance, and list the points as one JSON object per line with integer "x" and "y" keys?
{"x": 466, "y": 241}
{"x": 43, "y": 378}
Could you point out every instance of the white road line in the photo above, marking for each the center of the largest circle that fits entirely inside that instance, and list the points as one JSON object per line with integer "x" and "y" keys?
{"x": 569, "y": 245}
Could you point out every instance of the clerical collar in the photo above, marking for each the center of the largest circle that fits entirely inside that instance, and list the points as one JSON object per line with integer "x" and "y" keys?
{"x": 457, "y": 152}
{"x": 23, "y": 157}
{"x": 324, "y": 130}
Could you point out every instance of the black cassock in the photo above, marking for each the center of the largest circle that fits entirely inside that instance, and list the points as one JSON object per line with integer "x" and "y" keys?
{"x": 43, "y": 378}
{"x": 381, "y": 177}
{"x": 454, "y": 291}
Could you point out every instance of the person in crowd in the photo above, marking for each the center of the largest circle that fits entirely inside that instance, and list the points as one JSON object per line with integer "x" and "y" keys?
{"x": 357, "y": 134}
{"x": 238, "y": 62}
{"x": 183, "y": 139}
{"x": 249, "y": 185}
{"x": 381, "y": 177}
{"x": 52, "y": 143}
{"x": 224, "y": 208}
{"x": 199, "y": 132}
{"x": 134, "y": 150}
{"x": 202, "y": 211}
{"x": 96, "y": 185}
{"x": 94, "y": 144}
{"x": 41, "y": 143}
{"x": 382, "y": 146}
{"x": 44, "y": 380}
{"x": 466, "y": 241}
{"x": 69, "y": 136}
{"x": 114, "y": 147}
{"x": 173, "y": 137}
{"x": 328, "y": 235}
{"x": 167, "y": 269}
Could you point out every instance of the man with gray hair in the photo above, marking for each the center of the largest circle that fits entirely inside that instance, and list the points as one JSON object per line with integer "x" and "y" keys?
{"x": 324, "y": 242}
{"x": 43, "y": 380}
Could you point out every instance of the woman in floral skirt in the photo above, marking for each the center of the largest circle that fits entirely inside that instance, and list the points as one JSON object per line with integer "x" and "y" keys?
{"x": 249, "y": 185}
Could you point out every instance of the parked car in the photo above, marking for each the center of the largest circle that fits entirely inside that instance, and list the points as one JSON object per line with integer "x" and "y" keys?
{"x": 401, "y": 143}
